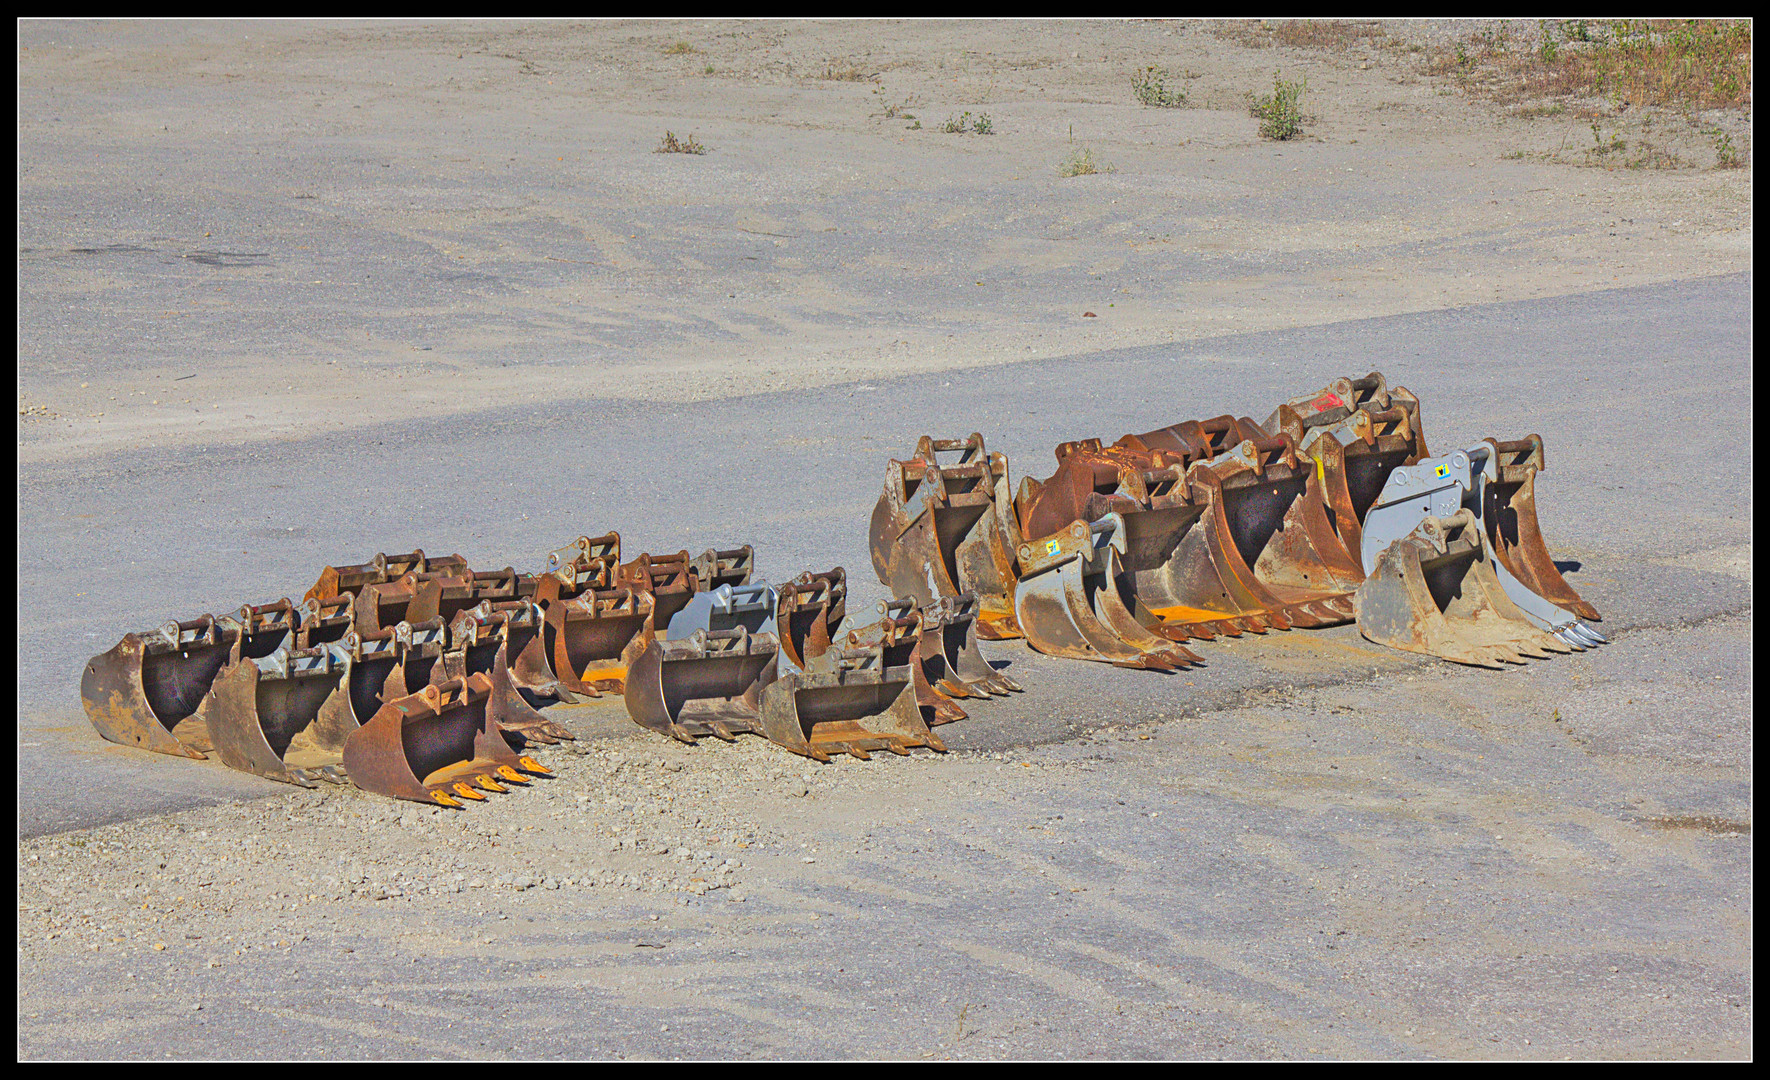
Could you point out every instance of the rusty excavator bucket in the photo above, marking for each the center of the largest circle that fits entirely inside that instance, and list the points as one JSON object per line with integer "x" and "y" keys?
{"x": 848, "y": 701}
{"x": 945, "y": 526}
{"x": 587, "y": 563}
{"x": 383, "y": 568}
{"x": 907, "y": 641}
{"x": 442, "y": 745}
{"x": 482, "y": 641}
{"x": 707, "y": 683}
{"x": 955, "y": 620}
{"x": 1354, "y": 451}
{"x": 715, "y": 567}
{"x": 593, "y": 638}
{"x": 1241, "y": 541}
{"x": 1438, "y": 487}
{"x": 588, "y": 636}
{"x": 285, "y": 716}
{"x": 148, "y": 690}
{"x": 1434, "y": 591}
{"x": 1507, "y": 510}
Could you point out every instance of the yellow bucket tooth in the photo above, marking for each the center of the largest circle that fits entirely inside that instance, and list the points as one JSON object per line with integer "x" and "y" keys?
{"x": 511, "y": 775}
{"x": 529, "y": 764}
{"x": 488, "y": 784}
{"x": 463, "y": 789}
{"x": 445, "y": 800}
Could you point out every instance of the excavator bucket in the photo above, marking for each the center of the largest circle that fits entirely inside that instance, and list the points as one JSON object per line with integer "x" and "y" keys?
{"x": 945, "y": 526}
{"x": 588, "y": 637}
{"x": 955, "y": 620}
{"x": 587, "y": 563}
{"x": 848, "y": 702}
{"x": 1434, "y": 591}
{"x": 1242, "y": 541}
{"x": 148, "y": 690}
{"x": 1266, "y": 525}
{"x": 669, "y": 579}
{"x": 708, "y": 683}
{"x": 727, "y": 607}
{"x": 285, "y": 716}
{"x": 1508, "y": 516}
{"x": 1069, "y": 600}
{"x": 715, "y": 567}
{"x": 381, "y": 569}
{"x": 808, "y": 611}
{"x": 907, "y": 641}
{"x": 441, "y": 745}
{"x": 1438, "y": 487}
{"x": 1353, "y": 453}
{"x": 482, "y": 639}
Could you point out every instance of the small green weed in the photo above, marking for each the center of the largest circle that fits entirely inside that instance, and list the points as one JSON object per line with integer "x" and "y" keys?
{"x": 708, "y": 70}
{"x": 1082, "y": 163}
{"x": 964, "y": 122}
{"x": 1151, "y": 87}
{"x": 680, "y": 48}
{"x": 1280, "y": 112}
{"x": 1727, "y": 156}
{"x": 672, "y": 145}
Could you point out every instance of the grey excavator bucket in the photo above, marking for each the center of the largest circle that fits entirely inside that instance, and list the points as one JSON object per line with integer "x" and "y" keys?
{"x": 442, "y": 745}
{"x": 148, "y": 690}
{"x": 945, "y": 526}
{"x": 1069, "y": 598}
{"x": 1438, "y": 487}
{"x": 1434, "y": 591}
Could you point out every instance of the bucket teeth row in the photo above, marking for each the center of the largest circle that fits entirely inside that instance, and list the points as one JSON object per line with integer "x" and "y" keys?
{"x": 443, "y": 745}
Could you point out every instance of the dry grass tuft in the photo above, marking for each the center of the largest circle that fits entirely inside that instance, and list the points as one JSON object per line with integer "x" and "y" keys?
{"x": 672, "y": 145}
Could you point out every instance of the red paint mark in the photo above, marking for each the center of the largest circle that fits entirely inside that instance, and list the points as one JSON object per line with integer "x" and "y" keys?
{"x": 1327, "y": 400}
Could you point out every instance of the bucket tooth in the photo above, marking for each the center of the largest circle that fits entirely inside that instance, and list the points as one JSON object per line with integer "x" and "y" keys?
{"x": 441, "y": 740}
{"x": 681, "y": 687}
{"x": 945, "y": 525}
{"x": 1434, "y": 591}
{"x": 849, "y": 703}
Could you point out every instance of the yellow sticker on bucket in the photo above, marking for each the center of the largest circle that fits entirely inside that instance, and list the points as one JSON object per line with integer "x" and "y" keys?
{"x": 1443, "y": 471}
{"x": 1051, "y": 547}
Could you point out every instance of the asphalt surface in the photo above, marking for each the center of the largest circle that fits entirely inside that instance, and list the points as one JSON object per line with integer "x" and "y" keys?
{"x": 1639, "y": 394}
